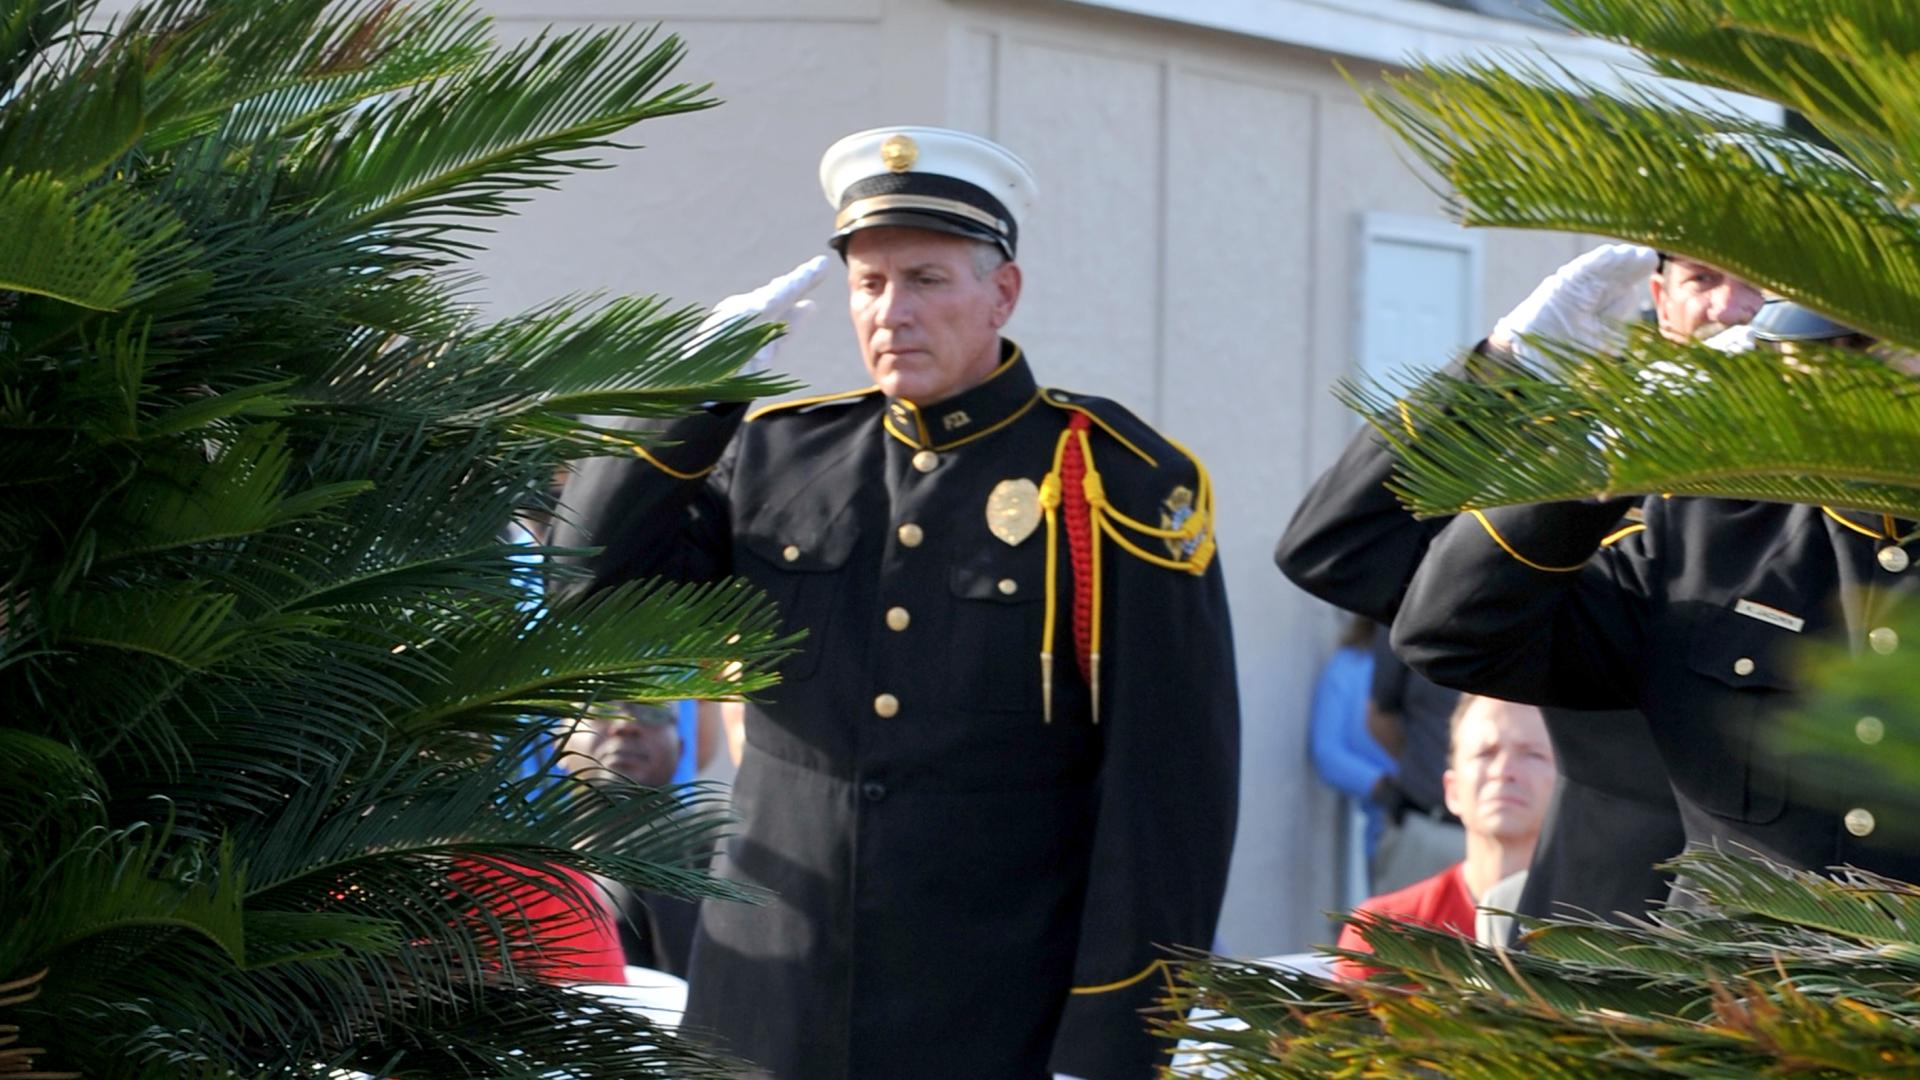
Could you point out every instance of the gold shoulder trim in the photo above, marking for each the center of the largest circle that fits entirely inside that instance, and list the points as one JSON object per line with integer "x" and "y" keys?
{"x": 818, "y": 399}
{"x": 1052, "y": 397}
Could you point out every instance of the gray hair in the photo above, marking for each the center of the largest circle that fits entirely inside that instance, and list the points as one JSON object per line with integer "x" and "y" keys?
{"x": 987, "y": 257}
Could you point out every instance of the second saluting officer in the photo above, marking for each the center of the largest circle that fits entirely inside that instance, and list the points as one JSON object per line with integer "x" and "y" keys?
{"x": 1001, "y": 774}
{"x": 1693, "y": 619}
{"x": 1352, "y": 544}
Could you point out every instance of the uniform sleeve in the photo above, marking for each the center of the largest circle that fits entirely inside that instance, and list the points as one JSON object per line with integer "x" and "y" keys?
{"x": 1351, "y": 543}
{"x": 659, "y": 510}
{"x": 1388, "y": 691}
{"x": 1525, "y": 603}
{"x": 1168, "y": 794}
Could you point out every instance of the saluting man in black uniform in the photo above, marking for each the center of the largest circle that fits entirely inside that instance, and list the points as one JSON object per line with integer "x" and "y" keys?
{"x": 1001, "y": 775}
{"x": 1351, "y": 543}
{"x": 1692, "y": 619}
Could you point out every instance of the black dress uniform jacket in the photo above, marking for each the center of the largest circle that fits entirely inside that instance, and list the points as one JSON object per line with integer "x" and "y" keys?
{"x": 960, "y": 887}
{"x": 1613, "y": 815}
{"x": 1690, "y": 620}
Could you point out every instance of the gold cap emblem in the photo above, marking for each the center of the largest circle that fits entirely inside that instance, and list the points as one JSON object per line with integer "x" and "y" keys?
{"x": 899, "y": 152}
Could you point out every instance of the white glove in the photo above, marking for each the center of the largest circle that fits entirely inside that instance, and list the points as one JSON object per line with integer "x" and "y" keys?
{"x": 1585, "y": 302}
{"x": 1732, "y": 339}
{"x": 780, "y": 300}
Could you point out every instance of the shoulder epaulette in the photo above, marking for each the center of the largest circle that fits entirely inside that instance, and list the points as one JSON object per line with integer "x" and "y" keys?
{"x": 1111, "y": 417}
{"x": 1186, "y": 513}
{"x": 1073, "y": 498}
{"x": 808, "y": 404}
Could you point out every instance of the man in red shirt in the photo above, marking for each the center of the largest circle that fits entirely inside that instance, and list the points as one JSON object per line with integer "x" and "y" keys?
{"x": 1498, "y": 782}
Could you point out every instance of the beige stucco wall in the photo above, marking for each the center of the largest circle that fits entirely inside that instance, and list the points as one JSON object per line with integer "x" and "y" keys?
{"x": 1193, "y": 256}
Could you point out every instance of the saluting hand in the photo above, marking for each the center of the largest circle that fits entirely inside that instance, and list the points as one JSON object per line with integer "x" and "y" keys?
{"x": 780, "y": 300}
{"x": 1585, "y": 302}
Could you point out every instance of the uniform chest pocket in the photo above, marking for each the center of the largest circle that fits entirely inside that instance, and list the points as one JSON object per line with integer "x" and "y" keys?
{"x": 800, "y": 570}
{"x": 1743, "y": 678}
{"x": 993, "y": 638}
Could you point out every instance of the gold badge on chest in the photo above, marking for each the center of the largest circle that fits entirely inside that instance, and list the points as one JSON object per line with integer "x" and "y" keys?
{"x": 1013, "y": 510}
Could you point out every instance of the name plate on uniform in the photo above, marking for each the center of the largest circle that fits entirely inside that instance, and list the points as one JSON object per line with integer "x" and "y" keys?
{"x": 1771, "y": 615}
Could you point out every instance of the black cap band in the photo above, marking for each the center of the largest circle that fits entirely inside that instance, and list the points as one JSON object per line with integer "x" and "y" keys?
{"x": 924, "y": 200}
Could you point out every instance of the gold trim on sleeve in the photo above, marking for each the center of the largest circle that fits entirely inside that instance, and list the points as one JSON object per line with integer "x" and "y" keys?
{"x": 1622, "y": 533}
{"x": 1122, "y": 984}
{"x": 1517, "y": 557}
{"x": 641, "y": 453}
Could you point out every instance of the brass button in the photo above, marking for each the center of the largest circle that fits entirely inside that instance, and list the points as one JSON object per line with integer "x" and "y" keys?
{"x": 886, "y": 706}
{"x": 1893, "y": 559}
{"x": 1870, "y": 730}
{"x": 898, "y": 619}
{"x": 926, "y": 461}
{"x": 1859, "y": 822}
{"x": 1743, "y": 666}
{"x": 1008, "y": 586}
{"x": 910, "y": 535}
{"x": 790, "y": 553}
{"x": 1883, "y": 639}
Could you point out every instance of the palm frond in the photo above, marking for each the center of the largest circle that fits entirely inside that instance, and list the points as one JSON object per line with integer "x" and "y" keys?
{"x": 1826, "y": 426}
{"x": 554, "y": 1032}
{"x": 1735, "y": 995}
{"x": 108, "y": 888}
{"x": 1519, "y": 149}
{"x": 73, "y": 128}
{"x": 82, "y": 247}
{"x": 644, "y": 641}
{"x": 453, "y": 151}
{"x": 279, "y": 69}
{"x": 1826, "y": 60}
{"x": 268, "y": 674}
{"x": 29, "y": 30}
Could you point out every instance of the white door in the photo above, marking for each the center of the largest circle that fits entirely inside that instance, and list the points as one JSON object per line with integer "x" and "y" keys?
{"x": 1419, "y": 296}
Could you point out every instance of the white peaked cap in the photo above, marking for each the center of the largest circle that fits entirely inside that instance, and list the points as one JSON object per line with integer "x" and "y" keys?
{"x": 927, "y": 177}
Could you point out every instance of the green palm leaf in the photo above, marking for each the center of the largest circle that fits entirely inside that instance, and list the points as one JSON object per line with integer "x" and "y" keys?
{"x": 1828, "y": 427}
{"x": 27, "y": 30}
{"x": 226, "y": 65}
{"x": 1521, "y": 150}
{"x": 73, "y": 128}
{"x": 1824, "y": 59}
{"x": 268, "y": 673}
{"x": 458, "y": 150}
{"x": 641, "y": 641}
{"x": 82, "y": 247}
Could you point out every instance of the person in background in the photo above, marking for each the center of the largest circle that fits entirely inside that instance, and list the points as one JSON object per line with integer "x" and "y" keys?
{"x": 1344, "y": 754}
{"x": 642, "y": 743}
{"x": 1498, "y": 781}
{"x": 1409, "y": 716}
